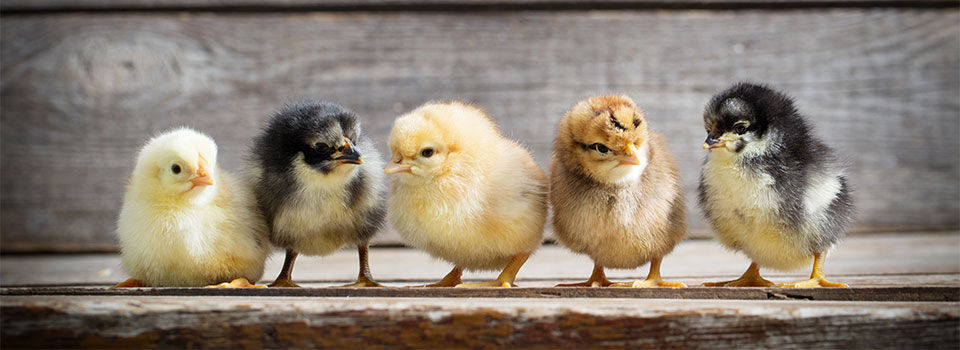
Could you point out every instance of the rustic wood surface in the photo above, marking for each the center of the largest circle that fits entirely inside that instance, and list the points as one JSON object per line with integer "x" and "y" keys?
{"x": 82, "y": 91}
{"x": 866, "y": 261}
{"x": 426, "y": 5}
{"x": 905, "y": 294}
{"x": 177, "y": 322}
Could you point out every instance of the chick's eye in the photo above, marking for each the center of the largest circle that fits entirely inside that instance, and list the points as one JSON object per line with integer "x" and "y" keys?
{"x": 427, "y": 152}
{"x": 740, "y": 128}
{"x": 175, "y": 169}
{"x": 599, "y": 147}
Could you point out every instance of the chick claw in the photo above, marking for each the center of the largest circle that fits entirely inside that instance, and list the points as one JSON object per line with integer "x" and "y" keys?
{"x": 503, "y": 284}
{"x": 237, "y": 283}
{"x": 812, "y": 283}
{"x": 362, "y": 282}
{"x": 283, "y": 283}
{"x": 649, "y": 283}
{"x": 742, "y": 282}
{"x": 130, "y": 283}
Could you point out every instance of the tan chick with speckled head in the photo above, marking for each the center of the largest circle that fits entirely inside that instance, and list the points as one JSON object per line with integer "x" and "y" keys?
{"x": 615, "y": 190}
{"x": 464, "y": 193}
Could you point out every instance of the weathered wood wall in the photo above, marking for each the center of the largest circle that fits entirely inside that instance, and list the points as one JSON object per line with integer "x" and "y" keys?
{"x": 81, "y": 90}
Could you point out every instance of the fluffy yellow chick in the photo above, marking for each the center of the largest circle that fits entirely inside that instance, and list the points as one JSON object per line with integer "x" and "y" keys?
{"x": 186, "y": 223}
{"x": 464, "y": 193}
{"x": 615, "y": 190}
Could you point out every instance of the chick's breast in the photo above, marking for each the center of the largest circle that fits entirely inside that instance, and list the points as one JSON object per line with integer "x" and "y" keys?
{"x": 620, "y": 226}
{"x": 481, "y": 214}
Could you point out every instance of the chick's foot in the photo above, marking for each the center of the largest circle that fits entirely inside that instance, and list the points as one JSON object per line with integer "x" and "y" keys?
{"x": 817, "y": 278}
{"x": 649, "y": 283}
{"x": 237, "y": 283}
{"x": 450, "y": 280}
{"x": 812, "y": 283}
{"x": 751, "y": 278}
{"x": 130, "y": 283}
{"x": 597, "y": 279}
{"x": 283, "y": 283}
{"x": 363, "y": 281}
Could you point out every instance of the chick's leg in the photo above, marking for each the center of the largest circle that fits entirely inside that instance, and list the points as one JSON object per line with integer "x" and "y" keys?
{"x": 130, "y": 283}
{"x": 751, "y": 278}
{"x": 363, "y": 278}
{"x": 653, "y": 279}
{"x": 597, "y": 279}
{"x": 816, "y": 277}
{"x": 507, "y": 276}
{"x": 237, "y": 283}
{"x": 283, "y": 280}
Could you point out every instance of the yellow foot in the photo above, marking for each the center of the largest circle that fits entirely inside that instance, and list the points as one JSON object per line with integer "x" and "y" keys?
{"x": 283, "y": 283}
{"x": 742, "y": 282}
{"x": 593, "y": 284}
{"x": 651, "y": 283}
{"x": 485, "y": 284}
{"x": 237, "y": 283}
{"x": 362, "y": 282}
{"x": 130, "y": 283}
{"x": 812, "y": 283}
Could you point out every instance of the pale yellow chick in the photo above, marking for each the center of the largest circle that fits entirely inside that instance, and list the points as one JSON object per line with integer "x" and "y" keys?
{"x": 464, "y": 193}
{"x": 186, "y": 223}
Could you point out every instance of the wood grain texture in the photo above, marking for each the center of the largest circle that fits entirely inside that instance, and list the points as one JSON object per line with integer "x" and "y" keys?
{"x": 20, "y": 6}
{"x": 902, "y": 260}
{"x": 81, "y": 92}
{"x": 285, "y": 322}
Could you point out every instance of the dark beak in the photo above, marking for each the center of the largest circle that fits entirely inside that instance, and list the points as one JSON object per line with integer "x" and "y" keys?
{"x": 713, "y": 141}
{"x": 347, "y": 155}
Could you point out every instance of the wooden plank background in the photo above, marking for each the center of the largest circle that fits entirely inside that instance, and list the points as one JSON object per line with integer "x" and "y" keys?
{"x": 81, "y": 91}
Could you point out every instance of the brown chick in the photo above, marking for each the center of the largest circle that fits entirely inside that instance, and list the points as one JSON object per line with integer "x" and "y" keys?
{"x": 464, "y": 193}
{"x": 615, "y": 190}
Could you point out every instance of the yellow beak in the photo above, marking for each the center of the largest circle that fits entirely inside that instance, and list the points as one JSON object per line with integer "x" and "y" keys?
{"x": 629, "y": 156}
{"x": 203, "y": 177}
{"x": 394, "y": 167}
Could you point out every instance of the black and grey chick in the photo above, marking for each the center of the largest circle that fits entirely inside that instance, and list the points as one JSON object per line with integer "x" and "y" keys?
{"x": 320, "y": 184}
{"x": 769, "y": 187}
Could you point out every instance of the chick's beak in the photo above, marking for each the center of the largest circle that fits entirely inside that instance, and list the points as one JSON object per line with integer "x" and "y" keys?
{"x": 630, "y": 156}
{"x": 397, "y": 167}
{"x": 348, "y": 155}
{"x": 203, "y": 177}
{"x": 713, "y": 141}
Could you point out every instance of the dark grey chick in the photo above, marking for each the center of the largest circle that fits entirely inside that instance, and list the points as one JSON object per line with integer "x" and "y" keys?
{"x": 769, "y": 187}
{"x": 320, "y": 184}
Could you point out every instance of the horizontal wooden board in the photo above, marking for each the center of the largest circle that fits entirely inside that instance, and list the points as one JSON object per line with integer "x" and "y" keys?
{"x": 727, "y": 293}
{"x": 427, "y": 5}
{"x": 284, "y": 322}
{"x": 861, "y": 261}
{"x": 82, "y": 91}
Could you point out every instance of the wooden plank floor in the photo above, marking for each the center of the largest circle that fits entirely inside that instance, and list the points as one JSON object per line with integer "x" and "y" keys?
{"x": 905, "y": 292}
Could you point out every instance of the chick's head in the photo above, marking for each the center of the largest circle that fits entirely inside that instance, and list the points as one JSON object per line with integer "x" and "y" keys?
{"x": 604, "y": 137}
{"x": 438, "y": 138}
{"x": 178, "y": 164}
{"x": 741, "y": 117}
{"x": 315, "y": 137}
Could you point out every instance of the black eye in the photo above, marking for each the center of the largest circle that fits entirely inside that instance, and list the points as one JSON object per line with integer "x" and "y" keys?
{"x": 426, "y": 152}
{"x": 175, "y": 169}
{"x": 740, "y": 128}
{"x": 599, "y": 147}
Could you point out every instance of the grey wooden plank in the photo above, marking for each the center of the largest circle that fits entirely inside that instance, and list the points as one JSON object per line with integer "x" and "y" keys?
{"x": 281, "y": 322}
{"x": 427, "y": 5}
{"x": 870, "y": 260}
{"x": 918, "y": 294}
{"x": 81, "y": 92}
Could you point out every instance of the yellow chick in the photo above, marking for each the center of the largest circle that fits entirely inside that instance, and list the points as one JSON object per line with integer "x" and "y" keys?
{"x": 464, "y": 193}
{"x": 615, "y": 191}
{"x": 186, "y": 223}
